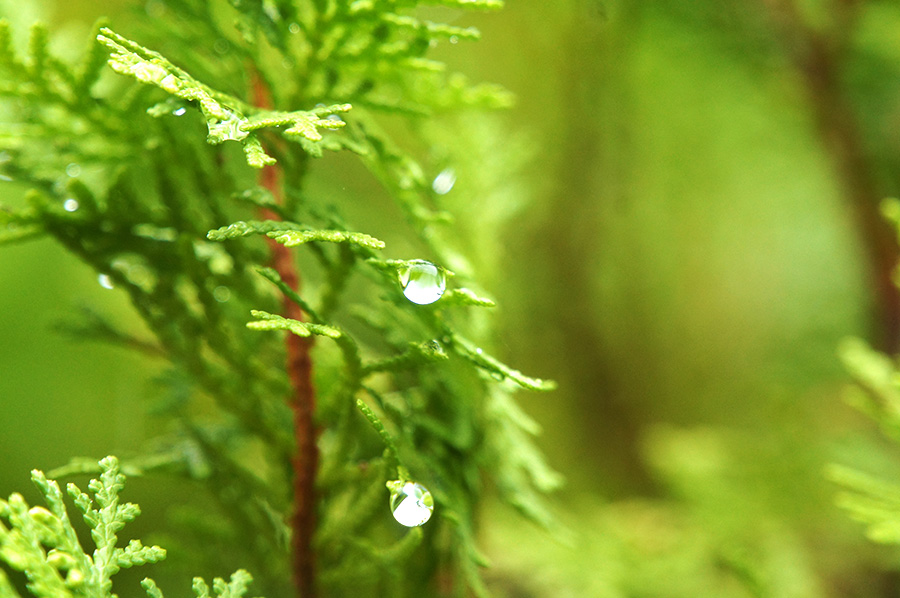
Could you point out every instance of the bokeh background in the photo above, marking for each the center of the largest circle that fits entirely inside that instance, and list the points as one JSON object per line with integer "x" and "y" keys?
{"x": 694, "y": 190}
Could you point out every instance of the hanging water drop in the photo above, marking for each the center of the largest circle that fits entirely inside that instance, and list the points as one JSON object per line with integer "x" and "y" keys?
{"x": 70, "y": 205}
{"x": 105, "y": 281}
{"x": 422, "y": 282}
{"x": 411, "y": 503}
{"x": 444, "y": 181}
{"x": 179, "y": 111}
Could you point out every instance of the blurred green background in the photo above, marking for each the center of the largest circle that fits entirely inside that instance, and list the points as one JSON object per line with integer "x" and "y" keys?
{"x": 685, "y": 257}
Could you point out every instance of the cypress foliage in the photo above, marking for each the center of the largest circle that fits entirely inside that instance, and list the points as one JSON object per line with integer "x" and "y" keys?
{"x": 183, "y": 182}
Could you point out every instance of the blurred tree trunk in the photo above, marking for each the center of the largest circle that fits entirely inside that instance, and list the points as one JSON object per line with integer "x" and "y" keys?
{"x": 817, "y": 56}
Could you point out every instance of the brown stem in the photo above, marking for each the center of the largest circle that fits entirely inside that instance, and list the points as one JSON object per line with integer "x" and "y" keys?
{"x": 816, "y": 56}
{"x": 303, "y": 401}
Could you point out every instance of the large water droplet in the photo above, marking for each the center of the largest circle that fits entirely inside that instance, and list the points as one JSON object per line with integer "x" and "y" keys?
{"x": 444, "y": 181}
{"x": 422, "y": 282}
{"x": 411, "y": 503}
{"x": 105, "y": 281}
{"x": 70, "y": 205}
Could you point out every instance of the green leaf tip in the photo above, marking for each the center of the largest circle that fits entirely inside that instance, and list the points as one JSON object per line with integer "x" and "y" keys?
{"x": 291, "y": 234}
{"x": 464, "y": 296}
{"x": 292, "y": 238}
{"x": 267, "y": 321}
{"x": 499, "y": 370}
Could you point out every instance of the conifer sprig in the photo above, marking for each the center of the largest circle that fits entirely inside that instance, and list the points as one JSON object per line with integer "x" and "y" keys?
{"x": 155, "y": 202}
{"x": 44, "y": 545}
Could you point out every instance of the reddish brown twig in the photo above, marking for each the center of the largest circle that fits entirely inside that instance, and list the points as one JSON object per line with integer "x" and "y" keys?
{"x": 299, "y": 368}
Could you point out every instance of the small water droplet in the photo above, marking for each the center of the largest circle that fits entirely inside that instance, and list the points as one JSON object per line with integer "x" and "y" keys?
{"x": 221, "y": 294}
{"x": 454, "y": 39}
{"x": 479, "y": 350}
{"x": 444, "y": 181}
{"x": 335, "y": 118}
{"x": 422, "y": 282}
{"x": 294, "y": 28}
{"x": 230, "y": 128}
{"x": 70, "y": 205}
{"x": 221, "y": 46}
{"x": 105, "y": 281}
{"x": 179, "y": 111}
{"x": 411, "y": 503}
{"x": 73, "y": 170}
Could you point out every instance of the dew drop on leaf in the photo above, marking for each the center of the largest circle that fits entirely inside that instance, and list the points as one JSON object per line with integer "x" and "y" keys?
{"x": 105, "y": 281}
{"x": 70, "y": 205}
{"x": 422, "y": 282}
{"x": 444, "y": 181}
{"x": 411, "y": 504}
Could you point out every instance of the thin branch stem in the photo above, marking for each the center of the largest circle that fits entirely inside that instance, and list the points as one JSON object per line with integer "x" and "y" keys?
{"x": 299, "y": 368}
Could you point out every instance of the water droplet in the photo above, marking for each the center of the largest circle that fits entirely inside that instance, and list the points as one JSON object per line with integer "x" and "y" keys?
{"x": 70, "y": 205}
{"x": 294, "y": 28}
{"x": 444, "y": 181}
{"x": 221, "y": 46}
{"x": 230, "y": 128}
{"x": 180, "y": 111}
{"x": 105, "y": 281}
{"x": 335, "y": 118}
{"x": 422, "y": 282}
{"x": 73, "y": 170}
{"x": 479, "y": 350}
{"x": 221, "y": 294}
{"x": 411, "y": 503}
{"x": 454, "y": 39}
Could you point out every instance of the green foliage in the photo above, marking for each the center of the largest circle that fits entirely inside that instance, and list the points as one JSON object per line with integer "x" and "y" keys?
{"x": 136, "y": 176}
{"x": 873, "y": 502}
{"x": 44, "y": 545}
